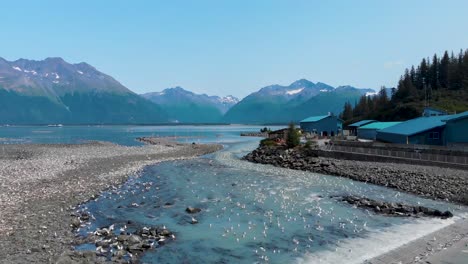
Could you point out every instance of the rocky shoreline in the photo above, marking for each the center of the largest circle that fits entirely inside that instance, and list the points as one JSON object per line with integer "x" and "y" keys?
{"x": 40, "y": 185}
{"x": 430, "y": 182}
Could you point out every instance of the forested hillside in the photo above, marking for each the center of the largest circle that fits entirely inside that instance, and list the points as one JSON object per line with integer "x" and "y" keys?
{"x": 440, "y": 82}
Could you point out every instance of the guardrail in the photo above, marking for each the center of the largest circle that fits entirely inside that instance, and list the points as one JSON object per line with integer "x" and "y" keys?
{"x": 410, "y": 153}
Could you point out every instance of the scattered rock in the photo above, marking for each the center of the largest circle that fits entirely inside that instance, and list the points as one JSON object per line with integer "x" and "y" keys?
{"x": 75, "y": 223}
{"x": 192, "y": 210}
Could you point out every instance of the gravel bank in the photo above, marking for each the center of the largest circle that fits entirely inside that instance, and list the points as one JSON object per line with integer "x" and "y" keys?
{"x": 40, "y": 184}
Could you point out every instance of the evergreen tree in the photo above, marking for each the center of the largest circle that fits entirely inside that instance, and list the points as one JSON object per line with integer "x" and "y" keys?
{"x": 382, "y": 101}
{"x": 443, "y": 81}
{"x": 423, "y": 74}
{"x": 293, "y": 139}
{"x": 454, "y": 78}
{"x": 443, "y": 70}
{"x": 434, "y": 73}
{"x": 347, "y": 112}
{"x": 464, "y": 71}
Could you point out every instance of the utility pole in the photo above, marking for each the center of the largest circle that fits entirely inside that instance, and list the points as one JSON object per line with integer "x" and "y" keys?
{"x": 425, "y": 91}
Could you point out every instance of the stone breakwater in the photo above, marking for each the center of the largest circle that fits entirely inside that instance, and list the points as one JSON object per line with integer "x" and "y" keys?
{"x": 395, "y": 209}
{"x": 41, "y": 184}
{"x": 431, "y": 182}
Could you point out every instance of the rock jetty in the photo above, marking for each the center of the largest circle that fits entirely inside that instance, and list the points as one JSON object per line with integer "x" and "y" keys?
{"x": 431, "y": 182}
{"x": 254, "y": 134}
{"x": 395, "y": 209}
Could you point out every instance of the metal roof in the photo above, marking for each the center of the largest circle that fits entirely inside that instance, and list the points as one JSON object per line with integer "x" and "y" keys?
{"x": 361, "y": 123}
{"x": 456, "y": 117}
{"x": 435, "y": 110}
{"x": 379, "y": 125}
{"x": 415, "y": 126}
{"x": 314, "y": 118}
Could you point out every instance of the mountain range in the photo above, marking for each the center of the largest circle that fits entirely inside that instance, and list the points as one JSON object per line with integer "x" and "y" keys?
{"x": 54, "y": 91}
{"x": 187, "y": 107}
{"x": 302, "y": 98}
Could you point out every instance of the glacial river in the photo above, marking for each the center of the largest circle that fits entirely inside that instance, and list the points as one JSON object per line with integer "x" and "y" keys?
{"x": 251, "y": 213}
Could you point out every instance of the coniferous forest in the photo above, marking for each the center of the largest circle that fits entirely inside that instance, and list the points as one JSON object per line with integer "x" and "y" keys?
{"x": 439, "y": 82}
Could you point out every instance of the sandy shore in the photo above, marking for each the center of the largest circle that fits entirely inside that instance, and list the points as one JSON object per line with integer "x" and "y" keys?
{"x": 40, "y": 184}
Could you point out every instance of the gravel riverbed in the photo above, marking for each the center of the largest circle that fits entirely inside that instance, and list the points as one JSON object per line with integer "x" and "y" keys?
{"x": 41, "y": 183}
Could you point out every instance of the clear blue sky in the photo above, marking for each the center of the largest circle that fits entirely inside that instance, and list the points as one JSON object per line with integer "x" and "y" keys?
{"x": 238, "y": 46}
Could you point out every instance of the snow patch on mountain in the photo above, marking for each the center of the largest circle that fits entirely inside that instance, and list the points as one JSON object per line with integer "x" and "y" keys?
{"x": 17, "y": 68}
{"x": 293, "y": 92}
{"x": 371, "y": 93}
{"x": 31, "y": 71}
{"x": 228, "y": 99}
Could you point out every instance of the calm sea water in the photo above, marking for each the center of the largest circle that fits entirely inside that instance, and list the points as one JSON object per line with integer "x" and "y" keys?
{"x": 250, "y": 213}
{"x": 123, "y": 135}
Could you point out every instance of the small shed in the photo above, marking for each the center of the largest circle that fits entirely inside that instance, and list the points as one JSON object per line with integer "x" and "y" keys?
{"x": 430, "y": 111}
{"x": 326, "y": 125}
{"x": 369, "y": 131}
{"x": 354, "y": 126}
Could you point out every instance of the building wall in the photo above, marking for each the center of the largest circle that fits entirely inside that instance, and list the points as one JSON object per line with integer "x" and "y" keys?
{"x": 329, "y": 124}
{"x": 456, "y": 131}
{"x": 391, "y": 138}
{"x": 367, "y": 133}
{"x": 427, "y": 137}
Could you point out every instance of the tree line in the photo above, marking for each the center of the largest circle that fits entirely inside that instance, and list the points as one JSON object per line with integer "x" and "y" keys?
{"x": 440, "y": 82}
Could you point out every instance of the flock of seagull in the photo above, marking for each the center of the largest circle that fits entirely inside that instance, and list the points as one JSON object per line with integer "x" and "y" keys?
{"x": 259, "y": 209}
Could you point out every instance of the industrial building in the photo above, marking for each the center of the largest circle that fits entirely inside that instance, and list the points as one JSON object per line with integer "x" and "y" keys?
{"x": 369, "y": 131}
{"x": 326, "y": 125}
{"x": 428, "y": 130}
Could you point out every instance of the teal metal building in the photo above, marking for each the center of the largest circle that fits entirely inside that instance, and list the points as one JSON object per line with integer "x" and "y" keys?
{"x": 326, "y": 125}
{"x": 369, "y": 131}
{"x": 354, "y": 126}
{"x": 431, "y": 130}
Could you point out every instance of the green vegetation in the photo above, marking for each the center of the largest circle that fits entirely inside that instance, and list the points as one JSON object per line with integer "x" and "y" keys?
{"x": 265, "y": 130}
{"x": 111, "y": 108}
{"x": 293, "y": 138}
{"x": 76, "y": 108}
{"x": 309, "y": 144}
{"x": 438, "y": 82}
{"x": 267, "y": 142}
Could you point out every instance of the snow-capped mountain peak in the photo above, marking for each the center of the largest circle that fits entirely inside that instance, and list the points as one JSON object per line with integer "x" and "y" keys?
{"x": 178, "y": 95}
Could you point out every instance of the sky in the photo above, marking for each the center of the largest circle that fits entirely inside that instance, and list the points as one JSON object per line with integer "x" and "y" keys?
{"x": 223, "y": 47}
